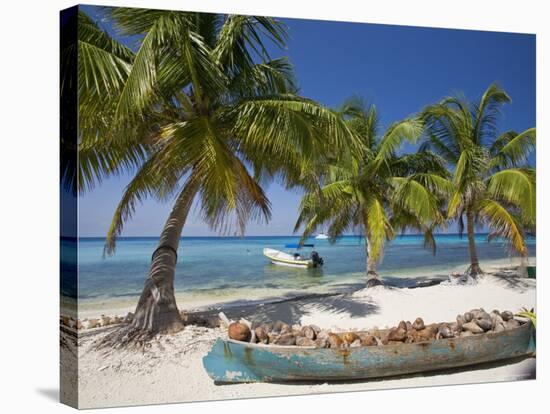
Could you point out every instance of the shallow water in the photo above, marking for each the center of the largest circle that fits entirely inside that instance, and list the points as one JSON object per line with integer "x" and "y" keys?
{"x": 212, "y": 269}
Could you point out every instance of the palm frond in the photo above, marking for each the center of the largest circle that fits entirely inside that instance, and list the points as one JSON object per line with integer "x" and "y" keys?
{"x": 409, "y": 130}
{"x": 511, "y": 149}
{"x": 518, "y": 187}
{"x": 503, "y": 224}
{"x": 272, "y": 77}
{"x": 241, "y": 36}
{"x": 486, "y": 113}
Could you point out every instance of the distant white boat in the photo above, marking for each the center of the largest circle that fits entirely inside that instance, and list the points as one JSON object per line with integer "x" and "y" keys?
{"x": 321, "y": 236}
{"x": 292, "y": 260}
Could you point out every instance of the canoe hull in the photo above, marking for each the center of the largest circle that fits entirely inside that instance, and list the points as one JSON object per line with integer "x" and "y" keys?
{"x": 232, "y": 362}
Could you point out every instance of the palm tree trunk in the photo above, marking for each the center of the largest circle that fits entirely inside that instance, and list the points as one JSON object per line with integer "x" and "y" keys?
{"x": 371, "y": 264}
{"x": 474, "y": 261}
{"x": 372, "y": 274}
{"x": 156, "y": 311}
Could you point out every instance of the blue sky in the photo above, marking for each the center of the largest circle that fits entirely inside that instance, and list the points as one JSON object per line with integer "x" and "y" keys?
{"x": 400, "y": 69}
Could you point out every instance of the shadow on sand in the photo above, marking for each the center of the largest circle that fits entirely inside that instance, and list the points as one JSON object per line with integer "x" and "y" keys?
{"x": 51, "y": 394}
{"x": 292, "y": 309}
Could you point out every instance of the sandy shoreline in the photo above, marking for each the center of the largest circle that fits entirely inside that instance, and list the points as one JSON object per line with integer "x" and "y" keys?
{"x": 122, "y": 306}
{"x": 171, "y": 369}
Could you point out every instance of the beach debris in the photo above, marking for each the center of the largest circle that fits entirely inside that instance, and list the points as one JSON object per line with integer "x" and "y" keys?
{"x": 116, "y": 320}
{"x": 105, "y": 320}
{"x": 239, "y": 331}
{"x": 224, "y": 320}
{"x": 91, "y": 323}
{"x": 129, "y": 317}
{"x": 456, "y": 278}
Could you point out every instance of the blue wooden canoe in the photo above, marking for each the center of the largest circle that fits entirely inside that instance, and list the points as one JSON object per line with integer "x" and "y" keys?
{"x": 232, "y": 361}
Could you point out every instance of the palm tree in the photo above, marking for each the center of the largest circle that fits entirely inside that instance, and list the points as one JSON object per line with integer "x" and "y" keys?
{"x": 493, "y": 183}
{"x": 376, "y": 192}
{"x": 199, "y": 111}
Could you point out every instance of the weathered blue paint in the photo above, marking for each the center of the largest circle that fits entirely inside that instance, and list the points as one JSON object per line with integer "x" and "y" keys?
{"x": 233, "y": 361}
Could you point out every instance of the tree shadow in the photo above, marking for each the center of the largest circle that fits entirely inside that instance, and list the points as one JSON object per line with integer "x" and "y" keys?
{"x": 292, "y": 310}
{"x": 520, "y": 284}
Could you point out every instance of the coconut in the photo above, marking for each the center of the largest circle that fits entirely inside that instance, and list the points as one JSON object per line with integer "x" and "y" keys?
{"x": 472, "y": 327}
{"x": 445, "y": 331}
{"x": 369, "y": 340}
{"x": 323, "y": 334}
{"x": 261, "y": 334}
{"x": 418, "y": 324}
{"x": 507, "y": 315}
{"x": 239, "y": 331}
{"x": 398, "y": 334}
{"x": 303, "y": 341}
{"x": 350, "y": 337}
{"x": 334, "y": 340}
{"x": 484, "y": 323}
{"x": 308, "y": 332}
{"x": 285, "y": 339}
{"x": 511, "y": 324}
{"x": 321, "y": 343}
{"x": 355, "y": 344}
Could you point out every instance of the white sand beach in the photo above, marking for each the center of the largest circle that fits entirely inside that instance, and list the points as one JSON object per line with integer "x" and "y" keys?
{"x": 171, "y": 370}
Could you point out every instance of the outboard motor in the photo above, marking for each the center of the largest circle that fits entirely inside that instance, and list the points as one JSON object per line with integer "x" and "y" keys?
{"x": 317, "y": 260}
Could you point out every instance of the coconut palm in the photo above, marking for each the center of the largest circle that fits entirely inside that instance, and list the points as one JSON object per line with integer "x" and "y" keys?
{"x": 376, "y": 192}
{"x": 492, "y": 180}
{"x": 200, "y": 112}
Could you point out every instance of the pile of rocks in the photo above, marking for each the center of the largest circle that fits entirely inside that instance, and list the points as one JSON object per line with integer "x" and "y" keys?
{"x": 91, "y": 323}
{"x": 473, "y": 322}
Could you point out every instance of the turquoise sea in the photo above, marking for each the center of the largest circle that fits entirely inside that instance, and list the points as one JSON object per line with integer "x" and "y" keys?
{"x": 227, "y": 269}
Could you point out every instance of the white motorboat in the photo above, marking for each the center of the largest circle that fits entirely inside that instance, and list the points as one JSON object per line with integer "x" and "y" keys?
{"x": 321, "y": 236}
{"x": 292, "y": 260}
